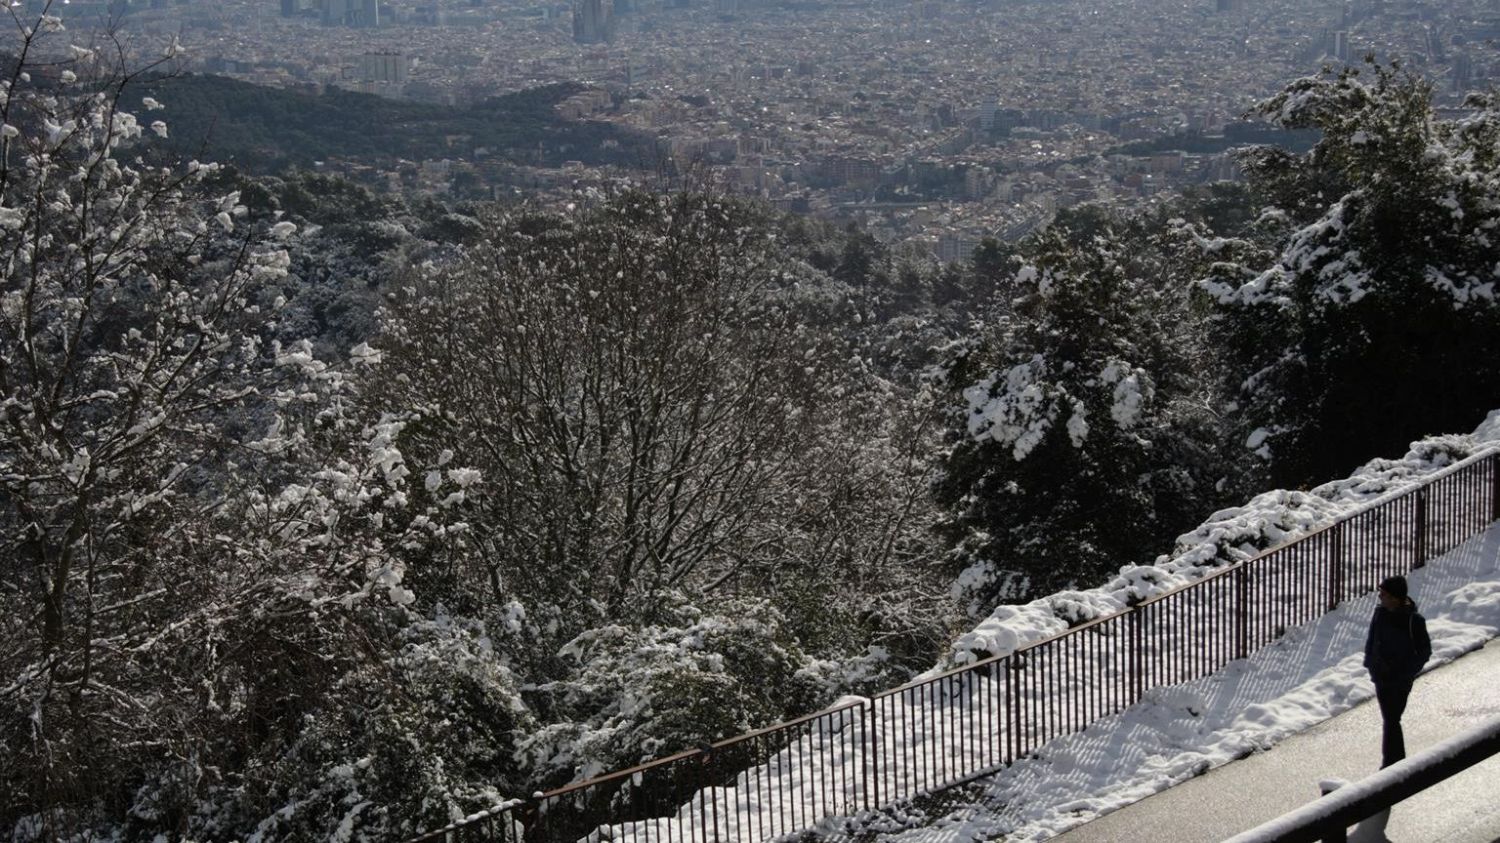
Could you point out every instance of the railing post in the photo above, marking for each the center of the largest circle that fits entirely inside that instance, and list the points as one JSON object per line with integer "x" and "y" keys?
{"x": 1013, "y": 704}
{"x": 1242, "y": 612}
{"x": 1419, "y": 549}
{"x": 531, "y": 819}
{"x": 1335, "y": 833}
{"x": 701, "y": 786}
{"x": 1494, "y": 487}
{"x": 872, "y": 754}
{"x": 1001, "y": 669}
{"x": 1336, "y": 565}
{"x": 712, "y": 781}
{"x": 1137, "y": 656}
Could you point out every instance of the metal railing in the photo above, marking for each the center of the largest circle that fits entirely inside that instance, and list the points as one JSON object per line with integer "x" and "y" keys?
{"x": 1328, "y": 819}
{"x": 967, "y": 723}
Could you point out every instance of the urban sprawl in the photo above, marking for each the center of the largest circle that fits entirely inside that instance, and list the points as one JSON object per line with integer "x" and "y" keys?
{"x": 932, "y": 123}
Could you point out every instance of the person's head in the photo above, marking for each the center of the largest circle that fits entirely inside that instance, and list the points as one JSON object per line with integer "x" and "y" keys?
{"x": 1393, "y": 592}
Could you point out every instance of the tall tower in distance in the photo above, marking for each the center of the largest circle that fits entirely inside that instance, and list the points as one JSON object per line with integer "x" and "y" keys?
{"x": 356, "y": 13}
{"x": 1463, "y": 72}
{"x": 593, "y": 21}
{"x": 1341, "y": 46}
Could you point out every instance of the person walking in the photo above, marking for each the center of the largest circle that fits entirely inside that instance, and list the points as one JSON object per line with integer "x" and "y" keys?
{"x": 1396, "y": 648}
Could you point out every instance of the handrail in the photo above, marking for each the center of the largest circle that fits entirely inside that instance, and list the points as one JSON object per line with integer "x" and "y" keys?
{"x": 1024, "y": 720}
{"x": 1381, "y": 500}
{"x": 1344, "y": 517}
{"x": 1329, "y": 817}
{"x": 478, "y": 816}
{"x": 989, "y": 660}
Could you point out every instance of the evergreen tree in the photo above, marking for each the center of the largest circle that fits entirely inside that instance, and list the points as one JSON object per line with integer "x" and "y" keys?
{"x": 1080, "y": 438}
{"x": 1375, "y": 320}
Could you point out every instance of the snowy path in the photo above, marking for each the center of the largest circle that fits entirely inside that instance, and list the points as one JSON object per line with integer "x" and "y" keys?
{"x": 1309, "y": 676}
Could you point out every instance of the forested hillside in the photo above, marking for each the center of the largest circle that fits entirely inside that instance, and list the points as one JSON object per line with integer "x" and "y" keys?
{"x": 330, "y": 514}
{"x": 263, "y": 129}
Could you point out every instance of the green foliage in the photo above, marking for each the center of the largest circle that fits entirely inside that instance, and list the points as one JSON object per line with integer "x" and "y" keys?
{"x": 1227, "y": 209}
{"x": 327, "y": 200}
{"x": 1080, "y": 436}
{"x": 1374, "y": 321}
{"x": 414, "y": 740}
{"x": 860, "y": 260}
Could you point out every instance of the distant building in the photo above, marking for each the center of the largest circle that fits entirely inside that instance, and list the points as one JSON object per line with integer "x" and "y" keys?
{"x": 356, "y": 13}
{"x": 1340, "y": 47}
{"x": 987, "y": 112}
{"x": 593, "y": 21}
{"x": 852, "y": 171}
{"x": 1463, "y": 72}
{"x": 389, "y": 67}
{"x": 955, "y": 247}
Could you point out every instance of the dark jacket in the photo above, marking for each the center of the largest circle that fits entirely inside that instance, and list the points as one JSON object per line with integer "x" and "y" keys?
{"x": 1397, "y": 645}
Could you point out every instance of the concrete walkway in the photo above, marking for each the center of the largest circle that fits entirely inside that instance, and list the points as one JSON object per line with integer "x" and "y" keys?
{"x": 1243, "y": 794}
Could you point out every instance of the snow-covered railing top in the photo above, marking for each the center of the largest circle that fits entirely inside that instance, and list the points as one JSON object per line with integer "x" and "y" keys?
{"x": 631, "y": 772}
{"x": 1479, "y": 455}
{"x": 1271, "y": 521}
{"x": 1377, "y": 503}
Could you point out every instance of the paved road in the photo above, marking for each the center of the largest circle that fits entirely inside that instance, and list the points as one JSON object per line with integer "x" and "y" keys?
{"x": 1246, "y": 793}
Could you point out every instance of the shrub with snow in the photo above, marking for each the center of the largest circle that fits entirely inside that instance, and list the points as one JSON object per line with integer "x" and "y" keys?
{"x": 639, "y": 694}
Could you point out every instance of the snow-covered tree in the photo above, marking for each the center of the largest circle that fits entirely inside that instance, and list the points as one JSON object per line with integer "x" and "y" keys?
{"x": 668, "y": 423}
{"x": 640, "y": 384}
{"x": 201, "y": 538}
{"x": 638, "y": 693}
{"x": 631, "y": 388}
{"x": 417, "y": 734}
{"x": 1375, "y": 320}
{"x": 122, "y": 350}
{"x": 1081, "y": 434}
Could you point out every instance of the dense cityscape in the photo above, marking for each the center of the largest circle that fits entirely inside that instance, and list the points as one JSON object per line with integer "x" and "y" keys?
{"x": 931, "y": 123}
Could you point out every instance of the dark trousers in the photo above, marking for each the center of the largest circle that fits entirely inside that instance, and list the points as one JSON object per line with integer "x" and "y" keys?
{"x": 1392, "y": 695}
